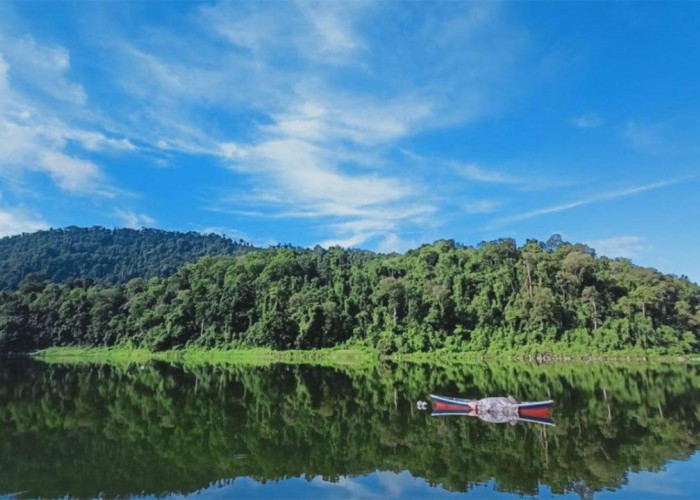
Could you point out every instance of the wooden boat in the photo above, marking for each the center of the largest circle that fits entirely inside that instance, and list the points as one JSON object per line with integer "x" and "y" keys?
{"x": 495, "y": 410}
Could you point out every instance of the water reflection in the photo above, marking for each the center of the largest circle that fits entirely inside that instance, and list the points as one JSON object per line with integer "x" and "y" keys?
{"x": 114, "y": 431}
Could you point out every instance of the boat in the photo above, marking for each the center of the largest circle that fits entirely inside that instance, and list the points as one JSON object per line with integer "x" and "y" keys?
{"x": 494, "y": 409}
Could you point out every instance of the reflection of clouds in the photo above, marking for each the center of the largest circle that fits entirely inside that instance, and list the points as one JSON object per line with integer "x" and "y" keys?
{"x": 648, "y": 482}
{"x": 383, "y": 485}
{"x": 388, "y": 485}
{"x": 396, "y": 484}
{"x": 370, "y": 486}
{"x": 669, "y": 482}
{"x": 353, "y": 486}
{"x": 678, "y": 479}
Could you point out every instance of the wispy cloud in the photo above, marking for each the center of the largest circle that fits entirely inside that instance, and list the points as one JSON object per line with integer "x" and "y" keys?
{"x": 584, "y": 201}
{"x": 482, "y": 206}
{"x": 36, "y": 132}
{"x": 43, "y": 67}
{"x": 646, "y": 138}
{"x": 587, "y": 120}
{"x": 473, "y": 172}
{"x": 302, "y": 101}
{"x": 620, "y": 246}
{"x": 71, "y": 174}
{"x": 676, "y": 135}
{"x": 384, "y": 224}
{"x": 323, "y": 131}
{"x": 317, "y": 32}
{"x": 393, "y": 243}
{"x": 133, "y": 220}
{"x": 17, "y": 221}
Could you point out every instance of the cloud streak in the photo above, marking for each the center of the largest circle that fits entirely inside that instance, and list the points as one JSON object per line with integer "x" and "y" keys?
{"x": 482, "y": 206}
{"x": 475, "y": 173}
{"x": 584, "y": 201}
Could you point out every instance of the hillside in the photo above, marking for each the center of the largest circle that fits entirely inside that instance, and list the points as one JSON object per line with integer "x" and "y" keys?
{"x": 497, "y": 296}
{"x": 106, "y": 256}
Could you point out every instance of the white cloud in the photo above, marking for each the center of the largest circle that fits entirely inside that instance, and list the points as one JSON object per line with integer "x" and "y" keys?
{"x": 646, "y": 138}
{"x": 482, "y": 206}
{"x": 319, "y": 147}
{"x": 587, "y": 120}
{"x": 17, "y": 221}
{"x": 71, "y": 174}
{"x": 362, "y": 120}
{"x": 36, "y": 135}
{"x": 299, "y": 161}
{"x": 393, "y": 243}
{"x": 95, "y": 141}
{"x": 134, "y": 220}
{"x": 473, "y": 172}
{"x": 32, "y": 135}
{"x": 306, "y": 174}
{"x": 42, "y": 68}
{"x": 321, "y": 106}
{"x": 620, "y": 246}
{"x": 29, "y": 144}
{"x": 348, "y": 242}
{"x": 4, "y": 70}
{"x": 319, "y": 32}
{"x": 385, "y": 224}
{"x": 585, "y": 201}
{"x": 330, "y": 22}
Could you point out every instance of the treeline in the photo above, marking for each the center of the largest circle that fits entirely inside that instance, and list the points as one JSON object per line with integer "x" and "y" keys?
{"x": 89, "y": 431}
{"x": 105, "y": 256}
{"x": 542, "y": 296}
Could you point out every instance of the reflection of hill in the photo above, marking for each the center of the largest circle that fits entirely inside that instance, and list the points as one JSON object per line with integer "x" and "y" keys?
{"x": 88, "y": 430}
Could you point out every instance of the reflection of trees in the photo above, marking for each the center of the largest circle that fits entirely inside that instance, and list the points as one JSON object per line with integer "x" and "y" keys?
{"x": 88, "y": 430}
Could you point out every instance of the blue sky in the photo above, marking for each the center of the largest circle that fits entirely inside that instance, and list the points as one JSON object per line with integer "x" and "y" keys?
{"x": 376, "y": 125}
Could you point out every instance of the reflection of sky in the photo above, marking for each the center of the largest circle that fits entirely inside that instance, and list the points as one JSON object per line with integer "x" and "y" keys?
{"x": 677, "y": 480}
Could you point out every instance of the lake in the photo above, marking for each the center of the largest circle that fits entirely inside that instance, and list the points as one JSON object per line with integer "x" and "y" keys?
{"x": 284, "y": 431}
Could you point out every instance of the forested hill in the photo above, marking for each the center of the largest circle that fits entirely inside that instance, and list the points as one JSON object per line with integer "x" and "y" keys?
{"x": 495, "y": 296}
{"x": 106, "y": 256}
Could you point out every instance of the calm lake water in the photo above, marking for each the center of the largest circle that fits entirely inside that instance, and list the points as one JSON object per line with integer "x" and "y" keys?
{"x": 628, "y": 431}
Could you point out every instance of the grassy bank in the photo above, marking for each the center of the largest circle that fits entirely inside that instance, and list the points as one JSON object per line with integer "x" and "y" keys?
{"x": 355, "y": 357}
{"x": 248, "y": 356}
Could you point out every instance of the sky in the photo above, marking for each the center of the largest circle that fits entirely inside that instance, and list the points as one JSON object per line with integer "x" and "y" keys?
{"x": 677, "y": 479}
{"x": 377, "y": 125}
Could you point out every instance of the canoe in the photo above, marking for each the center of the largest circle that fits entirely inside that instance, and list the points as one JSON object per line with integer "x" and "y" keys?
{"x": 453, "y": 406}
{"x": 528, "y": 411}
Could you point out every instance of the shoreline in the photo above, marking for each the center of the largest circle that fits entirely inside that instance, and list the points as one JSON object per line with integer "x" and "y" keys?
{"x": 336, "y": 356}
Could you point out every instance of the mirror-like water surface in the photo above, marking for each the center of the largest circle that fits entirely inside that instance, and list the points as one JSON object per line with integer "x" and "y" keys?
{"x": 301, "y": 431}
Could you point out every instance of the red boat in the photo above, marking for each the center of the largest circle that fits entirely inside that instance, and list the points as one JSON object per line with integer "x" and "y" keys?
{"x": 495, "y": 409}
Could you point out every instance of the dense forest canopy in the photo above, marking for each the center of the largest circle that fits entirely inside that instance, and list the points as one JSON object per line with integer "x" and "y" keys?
{"x": 444, "y": 295}
{"x": 106, "y": 256}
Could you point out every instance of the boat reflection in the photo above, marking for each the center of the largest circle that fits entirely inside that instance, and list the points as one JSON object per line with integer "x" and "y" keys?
{"x": 495, "y": 410}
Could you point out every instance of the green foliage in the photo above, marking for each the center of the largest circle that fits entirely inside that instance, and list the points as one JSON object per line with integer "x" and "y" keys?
{"x": 107, "y": 256}
{"x": 495, "y": 297}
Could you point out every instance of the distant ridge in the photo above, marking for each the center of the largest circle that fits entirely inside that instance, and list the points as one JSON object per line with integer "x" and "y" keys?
{"x": 106, "y": 256}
